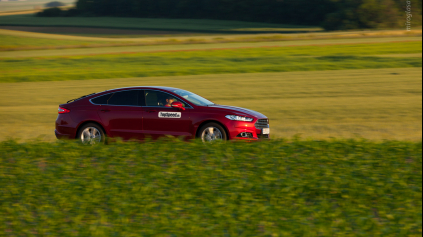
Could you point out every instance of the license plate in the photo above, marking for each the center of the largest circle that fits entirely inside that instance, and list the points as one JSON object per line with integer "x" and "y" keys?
{"x": 266, "y": 131}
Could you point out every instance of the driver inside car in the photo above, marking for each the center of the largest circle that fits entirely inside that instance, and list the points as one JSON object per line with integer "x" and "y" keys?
{"x": 169, "y": 101}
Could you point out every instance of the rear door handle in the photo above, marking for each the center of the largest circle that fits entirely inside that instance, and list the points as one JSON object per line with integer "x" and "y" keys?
{"x": 105, "y": 110}
{"x": 151, "y": 111}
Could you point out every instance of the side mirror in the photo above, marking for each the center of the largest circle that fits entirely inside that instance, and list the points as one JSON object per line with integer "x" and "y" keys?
{"x": 178, "y": 105}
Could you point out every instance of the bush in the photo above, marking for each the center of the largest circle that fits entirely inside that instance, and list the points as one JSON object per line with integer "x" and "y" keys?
{"x": 366, "y": 14}
{"x": 57, "y": 12}
{"x": 51, "y": 12}
{"x": 71, "y": 12}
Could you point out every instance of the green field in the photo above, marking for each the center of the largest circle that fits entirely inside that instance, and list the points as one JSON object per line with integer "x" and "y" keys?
{"x": 174, "y": 188}
{"x": 23, "y": 45}
{"x": 78, "y": 32}
{"x": 7, "y": 6}
{"x": 188, "y": 25}
{"x": 278, "y": 59}
{"x": 9, "y": 42}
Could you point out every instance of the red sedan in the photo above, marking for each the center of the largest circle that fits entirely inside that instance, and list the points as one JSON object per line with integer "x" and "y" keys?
{"x": 141, "y": 112}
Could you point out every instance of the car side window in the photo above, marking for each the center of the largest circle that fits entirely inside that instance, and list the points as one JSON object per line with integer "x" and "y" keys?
{"x": 128, "y": 98}
{"x": 160, "y": 99}
{"x": 102, "y": 100}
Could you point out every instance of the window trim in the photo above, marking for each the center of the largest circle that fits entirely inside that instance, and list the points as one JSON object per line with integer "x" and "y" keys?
{"x": 138, "y": 99}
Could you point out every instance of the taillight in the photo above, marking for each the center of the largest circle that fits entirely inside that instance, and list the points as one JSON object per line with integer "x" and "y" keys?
{"x": 63, "y": 110}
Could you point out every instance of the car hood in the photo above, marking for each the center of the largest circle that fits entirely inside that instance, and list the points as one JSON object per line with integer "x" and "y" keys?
{"x": 238, "y": 111}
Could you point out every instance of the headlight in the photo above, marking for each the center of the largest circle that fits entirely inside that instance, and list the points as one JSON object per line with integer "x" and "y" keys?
{"x": 239, "y": 118}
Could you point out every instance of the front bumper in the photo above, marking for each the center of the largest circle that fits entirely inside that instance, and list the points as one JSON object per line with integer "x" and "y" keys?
{"x": 238, "y": 130}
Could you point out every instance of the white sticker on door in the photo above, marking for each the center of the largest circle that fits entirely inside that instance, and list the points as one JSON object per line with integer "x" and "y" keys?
{"x": 176, "y": 115}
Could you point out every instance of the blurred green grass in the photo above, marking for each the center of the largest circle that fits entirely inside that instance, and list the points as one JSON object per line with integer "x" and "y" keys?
{"x": 9, "y": 42}
{"x": 248, "y": 60}
{"x": 19, "y": 46}
{"x": 375, "y": 104}
{"x": 175, "y": 188}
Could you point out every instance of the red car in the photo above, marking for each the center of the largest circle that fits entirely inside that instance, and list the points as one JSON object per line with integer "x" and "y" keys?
{"x": 141, "y": 112}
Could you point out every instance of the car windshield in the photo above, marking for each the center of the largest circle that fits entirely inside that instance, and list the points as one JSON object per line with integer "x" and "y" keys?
{"x": 193, "y": 98}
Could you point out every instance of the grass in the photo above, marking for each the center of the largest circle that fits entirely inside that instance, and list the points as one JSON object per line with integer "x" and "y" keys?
{"x": 21, "y": 44}
{"x": 12, "y": 40}
{"x": 9, "y": 43}
{"x": 185, "y": 31}
{"x": 285, "y": 59}
{"x": 375, "y": 104}
{"x": 173, "y": 188}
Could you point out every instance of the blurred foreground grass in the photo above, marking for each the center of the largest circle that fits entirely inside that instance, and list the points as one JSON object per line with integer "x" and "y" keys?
{"x": 373, "y": 103}
{"x": 175, "y": 188}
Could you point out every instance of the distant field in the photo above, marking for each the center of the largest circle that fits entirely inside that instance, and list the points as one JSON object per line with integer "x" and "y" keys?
{"x": 98, "y": 32}
{"x": 7, "y": 6}
{"x": 59, "y": 45}
{"x": 9, "y": 42}
{"x": 375, "y": 104}
{"x": 17, "y": 38}
{"x": 246, "y": 60}
{"x": 189, "y": 25}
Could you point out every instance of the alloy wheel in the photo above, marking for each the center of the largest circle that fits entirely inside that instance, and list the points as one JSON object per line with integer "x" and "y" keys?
{"x": 91, "y": 136}
{"x": 211, "y": 134}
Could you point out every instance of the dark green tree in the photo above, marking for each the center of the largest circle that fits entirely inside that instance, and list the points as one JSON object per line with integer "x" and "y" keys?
{"x": 331, "y": 14}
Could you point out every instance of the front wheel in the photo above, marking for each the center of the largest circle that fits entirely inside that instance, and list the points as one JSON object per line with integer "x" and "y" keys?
{"x": 91, "y": 134}
{"x": 212, "y": 132}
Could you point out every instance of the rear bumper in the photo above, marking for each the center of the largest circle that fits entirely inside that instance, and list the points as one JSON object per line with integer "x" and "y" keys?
{"x": 65, "y": 127}
{"x": 61, "y": 136}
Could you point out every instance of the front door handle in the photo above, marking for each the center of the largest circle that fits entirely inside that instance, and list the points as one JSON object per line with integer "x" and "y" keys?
{"x": 105, "y": 110}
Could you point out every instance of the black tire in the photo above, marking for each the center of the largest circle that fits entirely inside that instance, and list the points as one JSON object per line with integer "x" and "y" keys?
{"x": 97, "y": 129}
{"x": 216, "y": 127}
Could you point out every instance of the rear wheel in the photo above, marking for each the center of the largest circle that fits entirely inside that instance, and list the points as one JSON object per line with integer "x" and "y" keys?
{"x": 91, "y": 134}
{"x": 212, "y": 132}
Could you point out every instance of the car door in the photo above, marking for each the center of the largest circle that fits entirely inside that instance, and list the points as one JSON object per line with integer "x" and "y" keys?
{"x": 122, "y": 115}
{"x": 160, "y": 120}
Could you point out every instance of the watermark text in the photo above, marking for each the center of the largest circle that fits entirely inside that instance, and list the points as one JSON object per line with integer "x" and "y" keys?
{"x": 409, "y": 15}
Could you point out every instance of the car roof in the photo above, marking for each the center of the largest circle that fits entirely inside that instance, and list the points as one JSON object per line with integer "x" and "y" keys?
{"x": 144, "y": 87}
{"x": 94, "y": 95}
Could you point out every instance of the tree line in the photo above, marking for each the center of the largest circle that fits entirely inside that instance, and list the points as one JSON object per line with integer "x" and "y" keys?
{"x": 331, "y": 14}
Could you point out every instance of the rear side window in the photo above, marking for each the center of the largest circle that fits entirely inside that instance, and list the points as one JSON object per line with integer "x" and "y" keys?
{"x": 102, "y": 100}
{"x": 129, "y": 98}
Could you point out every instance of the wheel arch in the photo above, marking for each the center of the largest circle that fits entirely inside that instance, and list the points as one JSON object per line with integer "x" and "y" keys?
{"x": 212, "y": 121}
